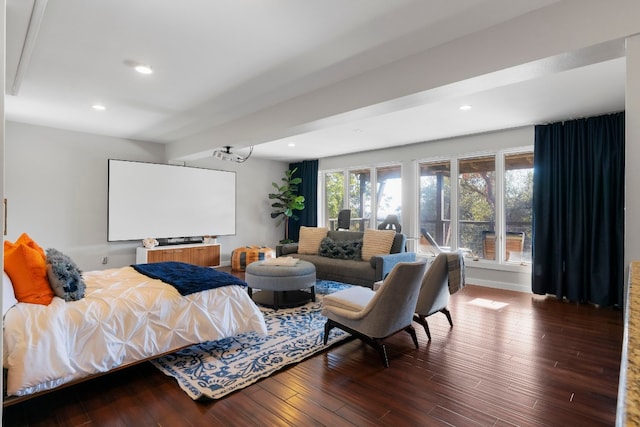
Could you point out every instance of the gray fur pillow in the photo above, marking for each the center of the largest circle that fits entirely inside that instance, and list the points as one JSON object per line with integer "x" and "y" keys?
{"x": 64, "y": 276}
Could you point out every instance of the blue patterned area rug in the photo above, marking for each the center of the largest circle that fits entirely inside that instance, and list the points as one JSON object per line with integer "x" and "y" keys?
{"x": 214, "y": 369}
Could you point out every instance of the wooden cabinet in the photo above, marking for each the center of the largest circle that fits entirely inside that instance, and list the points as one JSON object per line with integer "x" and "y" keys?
{"x": 205, "y": 255}
{"x": 180, "y": 255}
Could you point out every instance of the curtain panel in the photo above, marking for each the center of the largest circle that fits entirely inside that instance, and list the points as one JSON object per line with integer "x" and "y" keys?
{"x": 578, "y": 210}
{"x": 308, "y": 171}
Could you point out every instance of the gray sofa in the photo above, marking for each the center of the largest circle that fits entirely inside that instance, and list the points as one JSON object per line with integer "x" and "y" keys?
{"x": 355, "y": 272}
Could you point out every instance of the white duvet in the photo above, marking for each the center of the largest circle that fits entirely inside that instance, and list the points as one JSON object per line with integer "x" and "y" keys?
{"x": 125, "y": 317}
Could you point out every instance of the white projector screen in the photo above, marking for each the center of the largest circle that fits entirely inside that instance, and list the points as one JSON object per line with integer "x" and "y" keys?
{"x": 166, "y": 201}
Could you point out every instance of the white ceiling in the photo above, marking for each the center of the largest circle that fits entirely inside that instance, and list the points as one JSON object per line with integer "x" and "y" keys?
{"x": 216, "y": 61}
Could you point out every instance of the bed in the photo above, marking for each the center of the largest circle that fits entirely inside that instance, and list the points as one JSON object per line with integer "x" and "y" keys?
{"x": 125, "y": 317}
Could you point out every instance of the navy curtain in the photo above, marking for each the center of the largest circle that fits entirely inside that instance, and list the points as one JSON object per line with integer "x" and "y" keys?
{"x": 308, "y": 171}
{"x": 578, "y": 210}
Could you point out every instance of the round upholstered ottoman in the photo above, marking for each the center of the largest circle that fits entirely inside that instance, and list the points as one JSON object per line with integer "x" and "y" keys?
{"x": 241, "y": 257}
{"x": 281, "y": 285}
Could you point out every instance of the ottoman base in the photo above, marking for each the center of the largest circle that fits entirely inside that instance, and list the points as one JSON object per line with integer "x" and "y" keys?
{"x": 283, "y": 299}
{"x": 281, "y": 286}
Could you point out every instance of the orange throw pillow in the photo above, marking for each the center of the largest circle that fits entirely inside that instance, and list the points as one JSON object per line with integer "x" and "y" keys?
{"x": 24, "y": 238}
{"x": 25, "y": 263}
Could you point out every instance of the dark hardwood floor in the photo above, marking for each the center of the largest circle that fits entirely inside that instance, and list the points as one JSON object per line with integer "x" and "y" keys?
{"x": 533, "y": 362}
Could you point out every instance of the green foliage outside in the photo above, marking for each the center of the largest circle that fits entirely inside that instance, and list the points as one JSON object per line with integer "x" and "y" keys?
{"x": 476, "y": 203}
{"x": 334, "y": 189}
{"x": 476, "y": 208}
{"x": 359, "y": 196}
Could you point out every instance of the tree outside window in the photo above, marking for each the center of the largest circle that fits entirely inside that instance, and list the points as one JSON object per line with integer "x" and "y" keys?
{"x": 476, "y": 202}
{"x": 388, "y": 192}
{"x": 435, "y": 200}
{"x": 518, "y": 200}
{"x": 360, "y": 198}
{"x": 481, "y": 209}
{"x": 334, "y": 196}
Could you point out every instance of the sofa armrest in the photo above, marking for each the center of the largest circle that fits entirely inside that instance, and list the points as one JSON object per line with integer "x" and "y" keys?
{"x": 384, "y": 263}
{"x": 286, "y": 249}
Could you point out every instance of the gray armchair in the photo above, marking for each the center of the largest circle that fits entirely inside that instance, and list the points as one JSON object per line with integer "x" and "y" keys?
{"x": 374, "y": 316}
{"x": 434, "y": 292}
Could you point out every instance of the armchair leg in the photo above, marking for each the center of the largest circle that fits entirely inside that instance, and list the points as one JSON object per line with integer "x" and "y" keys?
{"x": 382, "y": 350}
{"x": 376, "y": 343}
{"x": 411, "y": 331}
{"x": 448, "y": 314}
{"x": 328, "y": 326}
{"x": 421, "y": 319}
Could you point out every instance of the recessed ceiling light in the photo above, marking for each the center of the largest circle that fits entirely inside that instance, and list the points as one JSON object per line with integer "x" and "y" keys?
{"x": 465, "y": 107}
{"x": 143, "y": 69}
{"x": 98, "y": 107}
{"x": 291, "y": 144}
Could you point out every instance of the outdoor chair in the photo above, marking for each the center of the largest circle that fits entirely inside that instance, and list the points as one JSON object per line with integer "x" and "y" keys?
{"x": 344, "y": 219}
{"x": 428, "y": 243}
{"x": 489, "y": 244}
{"x": 391, "y": 222}
{"x": 514, "y": 244}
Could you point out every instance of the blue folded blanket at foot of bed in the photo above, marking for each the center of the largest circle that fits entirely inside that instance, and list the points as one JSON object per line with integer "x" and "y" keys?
{"x": 187, "y": 278}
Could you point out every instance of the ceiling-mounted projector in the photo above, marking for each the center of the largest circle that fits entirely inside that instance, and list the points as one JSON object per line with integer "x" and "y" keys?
{"x": 228, "y": 156}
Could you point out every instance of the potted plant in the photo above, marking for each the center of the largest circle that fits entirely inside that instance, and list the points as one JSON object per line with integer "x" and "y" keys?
{"x": 287, "y": 201}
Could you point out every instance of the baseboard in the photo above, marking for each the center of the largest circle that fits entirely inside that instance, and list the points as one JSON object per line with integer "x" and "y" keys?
{"x": 499, "y": 285}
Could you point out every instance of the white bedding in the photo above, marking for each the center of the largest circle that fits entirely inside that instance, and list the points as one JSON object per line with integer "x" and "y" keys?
{"x": 124, "y": 317}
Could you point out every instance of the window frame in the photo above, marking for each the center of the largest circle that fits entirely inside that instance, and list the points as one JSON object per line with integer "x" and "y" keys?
{"x": 500, "y": 208}
{"x": 346, "y": 172}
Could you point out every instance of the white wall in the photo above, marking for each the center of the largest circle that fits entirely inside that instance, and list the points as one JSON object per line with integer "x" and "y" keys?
{"x": 254, "y": 224}
{"x": 511, "y": 277}
{"x": 56, "y": 185}
{"x": 632, "y": 148}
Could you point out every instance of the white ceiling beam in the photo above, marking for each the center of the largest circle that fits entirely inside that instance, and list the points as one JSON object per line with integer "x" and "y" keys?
{"x": 37, "y": 13}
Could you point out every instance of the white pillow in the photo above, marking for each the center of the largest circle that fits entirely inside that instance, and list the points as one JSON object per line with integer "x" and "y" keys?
{"x": 8, "y": 295}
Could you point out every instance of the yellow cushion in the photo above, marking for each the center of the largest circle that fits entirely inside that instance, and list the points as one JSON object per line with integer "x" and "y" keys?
{"x": 310, "y": 238}
{"x": 25, "y": 263}
{"x": 376, "y": 242}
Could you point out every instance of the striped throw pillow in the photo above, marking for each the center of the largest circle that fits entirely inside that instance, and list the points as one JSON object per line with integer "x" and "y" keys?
{"x": 310, "y": 238}
{"x": 377, "y": 242}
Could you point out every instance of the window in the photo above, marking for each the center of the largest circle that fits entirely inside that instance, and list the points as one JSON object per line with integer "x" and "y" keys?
{"x": 334, "y": 196}
{"x": 368, "y": 190}
{"x": 389, "y": 192}
{"x": 476, "y": 203}
{"x": 435, "y": 202}
{"x": 491, "y": 200}
{"x": 518, "y": 205}
{"x": 360, "y": 198}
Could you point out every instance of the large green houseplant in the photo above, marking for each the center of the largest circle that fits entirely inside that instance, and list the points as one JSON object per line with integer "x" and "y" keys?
{"x": 287, "y": 201}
